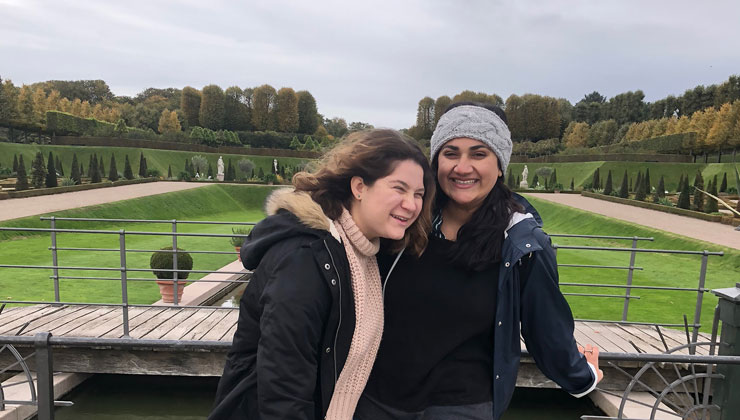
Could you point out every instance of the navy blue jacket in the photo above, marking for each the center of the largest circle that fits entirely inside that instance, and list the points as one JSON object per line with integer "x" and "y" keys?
{"x": 528, "y": 293}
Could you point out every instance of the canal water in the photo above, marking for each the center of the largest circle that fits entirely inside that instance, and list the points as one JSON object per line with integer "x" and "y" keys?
{"x": 132, "y": 397}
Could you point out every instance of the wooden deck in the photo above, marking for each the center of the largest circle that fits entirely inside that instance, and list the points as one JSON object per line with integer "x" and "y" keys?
{"x": 213, "y": 324}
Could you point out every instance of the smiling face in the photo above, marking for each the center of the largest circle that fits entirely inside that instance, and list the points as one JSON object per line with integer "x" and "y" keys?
{"x": 467, "y": 170}
{"x": 391, "y": 204}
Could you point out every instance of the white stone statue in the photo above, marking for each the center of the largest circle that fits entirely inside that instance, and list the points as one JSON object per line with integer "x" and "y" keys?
{"x": 220, "y": 174}
{"x": 274, "y": 166}
{"x": 523, "y": 184}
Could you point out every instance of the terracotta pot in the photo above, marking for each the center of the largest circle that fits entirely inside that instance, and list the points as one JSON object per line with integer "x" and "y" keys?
{"x": 167, "y": 290}
{"x": 238, "y": 252}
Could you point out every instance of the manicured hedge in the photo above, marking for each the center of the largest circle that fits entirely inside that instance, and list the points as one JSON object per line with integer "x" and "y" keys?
{"x": 653, "y": 206}
{"x": 672, "y": 143}
{"x": 71, "y": 188}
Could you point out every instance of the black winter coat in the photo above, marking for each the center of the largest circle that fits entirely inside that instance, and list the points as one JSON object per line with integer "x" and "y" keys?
{"x": 296, "y": 318}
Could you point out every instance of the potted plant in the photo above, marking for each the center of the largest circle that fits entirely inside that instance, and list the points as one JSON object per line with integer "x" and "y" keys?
{"x": 240, "y": 233}
{"x": 162, "y": 260}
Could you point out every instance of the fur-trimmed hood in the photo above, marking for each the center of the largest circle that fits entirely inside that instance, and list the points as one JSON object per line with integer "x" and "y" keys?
{"x": 289, "y": 214}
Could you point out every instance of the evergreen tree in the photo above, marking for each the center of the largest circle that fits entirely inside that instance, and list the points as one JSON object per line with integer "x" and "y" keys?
{"x": 712, "y": 204}
{"x": 572, "y": 184}
{"x": 75, "y": 171}
{"x": 142, "y": 166}
{"x": 659, "y": 190}
{"x": 596, "y": 181}
{"x": 723, "y": 185}
{"x": 261, "y": 174}
{"x": 38, "y": 171}
{"x": 640, "y": 192}
{"x": 638, "y": 181}
{"x": 21, "y": 182}
{"x": 58, "y": 165}
{"x": 631, "y": 190}
{"x": 90, "y": 166}
{"x": 51, "y": 176}
{"x": 510, "y": 179}
{"x": 536, "y": 180}
{"x": 232, "y": 172}
{"x": 94, "y": 171}
{"x": 679, "y": 187}
{"x": 169, "y": 171}
{"x": 553, "y": 178}
{"x": 101, "y": 167}
{"x": 683, "y": 198}
{"x": 623, "y": 191}
{"x": 15, "y": 163}
{"x": 698, "y": 195}
{"x": 296, "y": 144}
{"x": 113, "y": 170}
{"x": 646, "y": 181}
{"x": 128, "y": 173}
{"x": 608, "y": 188}
{"x": 210, "y": 171}
{"x": 82, "y": 170}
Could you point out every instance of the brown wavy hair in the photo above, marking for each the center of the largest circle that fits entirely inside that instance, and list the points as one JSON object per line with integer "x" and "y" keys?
{"x": 371, "y": 155}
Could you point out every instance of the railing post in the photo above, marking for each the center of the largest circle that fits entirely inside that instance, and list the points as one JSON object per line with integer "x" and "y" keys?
{"x": 55, "y": 260}
{"x": 124, "y": 281}
{"x": 699, "y": 297}
{"x": 630, "y": 274}
{"x": 725, "y": 393}
{"x": 44, "y": 376}
{"x": 174, "y": 263}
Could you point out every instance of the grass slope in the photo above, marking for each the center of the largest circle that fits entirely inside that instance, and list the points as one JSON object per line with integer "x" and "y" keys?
{"x": 215, "y": 203}
{"x": 158, "y": 159}
{"x": 659, "y": 269}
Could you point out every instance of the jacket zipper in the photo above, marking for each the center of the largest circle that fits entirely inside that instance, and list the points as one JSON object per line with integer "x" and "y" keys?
{"x": 336, "y": 334}
{"x": 388, "y": 276}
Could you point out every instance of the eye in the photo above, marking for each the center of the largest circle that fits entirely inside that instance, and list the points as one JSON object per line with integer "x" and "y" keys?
{"x": 419, "y": 195}
{"x": 399, "y": 188}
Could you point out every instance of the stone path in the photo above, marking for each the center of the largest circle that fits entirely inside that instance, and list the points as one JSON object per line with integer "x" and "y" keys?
{"x": 14, "y": 208}
{"x": 711, "y": 232}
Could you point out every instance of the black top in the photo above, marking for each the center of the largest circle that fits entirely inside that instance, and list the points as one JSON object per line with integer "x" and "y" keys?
{"x": 438, "y": 337}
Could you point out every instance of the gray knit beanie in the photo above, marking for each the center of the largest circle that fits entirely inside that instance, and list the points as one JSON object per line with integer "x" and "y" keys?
{"x": 477, "y": 123}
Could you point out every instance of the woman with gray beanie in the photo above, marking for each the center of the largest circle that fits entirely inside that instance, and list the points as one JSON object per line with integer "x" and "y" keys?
{"x": 453, "y": 316}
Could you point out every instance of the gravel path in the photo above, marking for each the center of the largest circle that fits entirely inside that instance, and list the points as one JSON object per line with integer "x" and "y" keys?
{"x": 14, "y": 208}
{"x": 712, "y": 232}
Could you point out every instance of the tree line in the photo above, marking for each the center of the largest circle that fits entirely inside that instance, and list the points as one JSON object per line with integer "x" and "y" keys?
{"x": 711, "y": 112}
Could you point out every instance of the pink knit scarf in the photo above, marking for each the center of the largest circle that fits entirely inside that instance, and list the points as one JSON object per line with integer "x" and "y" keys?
{"x": 368, "y": 295}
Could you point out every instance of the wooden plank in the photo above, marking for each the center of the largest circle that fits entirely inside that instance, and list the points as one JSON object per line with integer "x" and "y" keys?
{"x": 644, "y": 342}
{"x": 115, "y": 329}
{"x": 217, "y": 332}
{"x": 207, "y": 325}
{"x": 170, "y": 323}
{"x": 99, "y": 326}
{"x": 615, "y": 335}
{"x": 58, "y": 319}
{"x": 597, "y": 339}
{"x": 99, "y": 312}
{"x": 10, "y": 328}
{"x": 18, "y": 312}
{"x": 152, "y": 323}
{"x": 183, "y": 328}
{"x": 229, "y": 336}
{"x": 43, "y": 317}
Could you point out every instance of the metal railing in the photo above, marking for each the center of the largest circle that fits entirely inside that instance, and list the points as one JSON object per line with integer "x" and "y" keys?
{"x": 631, "y": 268}
{"x": 125, "y": 271}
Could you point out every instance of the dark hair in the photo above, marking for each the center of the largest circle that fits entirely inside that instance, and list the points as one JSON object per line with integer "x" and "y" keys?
{"x": 480, "y": 240}
{"x": 371, "y": 155}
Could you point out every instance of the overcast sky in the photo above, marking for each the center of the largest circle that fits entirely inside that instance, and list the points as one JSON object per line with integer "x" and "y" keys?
{"x": 373, "y": 61}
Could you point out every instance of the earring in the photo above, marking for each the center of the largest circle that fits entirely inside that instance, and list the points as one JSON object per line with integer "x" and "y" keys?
{"x": 358, "y": 196}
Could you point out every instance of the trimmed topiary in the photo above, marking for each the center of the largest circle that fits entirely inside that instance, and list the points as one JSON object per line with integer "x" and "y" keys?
{"x": 163, "y": 261}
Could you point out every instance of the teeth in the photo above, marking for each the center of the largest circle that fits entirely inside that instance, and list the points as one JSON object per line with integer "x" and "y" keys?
{"x": 457, "y": 181}
{"x": 403, "y": 219}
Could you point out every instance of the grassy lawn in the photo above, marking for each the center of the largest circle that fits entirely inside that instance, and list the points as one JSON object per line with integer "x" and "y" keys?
{"x": 157, "y": 159}
{"x": 213, "y": 203}
{"x": 659, "y": 269}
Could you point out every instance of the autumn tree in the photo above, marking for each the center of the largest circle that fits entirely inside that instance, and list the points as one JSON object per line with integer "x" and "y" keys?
{"x": 168, "y": 122}
{"x": 237, "y": 116}
{"x": 287, "y": 110}
{"x": 533, "y": 117}
{"x": 576, "y": 135}
{"x": 263, "y": 108}
{"x": 308, "y": 114}
{"x": 425, "y": 117}
{"x": 51, "y": 172}
{"x": 190, "y": 106}
{"x": 212, "y": 108}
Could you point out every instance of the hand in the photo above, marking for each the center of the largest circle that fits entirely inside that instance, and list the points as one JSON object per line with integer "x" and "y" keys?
{"x": 592, "y": 356}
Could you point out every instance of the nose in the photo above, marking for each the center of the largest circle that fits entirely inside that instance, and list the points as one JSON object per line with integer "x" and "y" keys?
{"x": 463, "y": 166}
{"x": 409, "y": 202}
